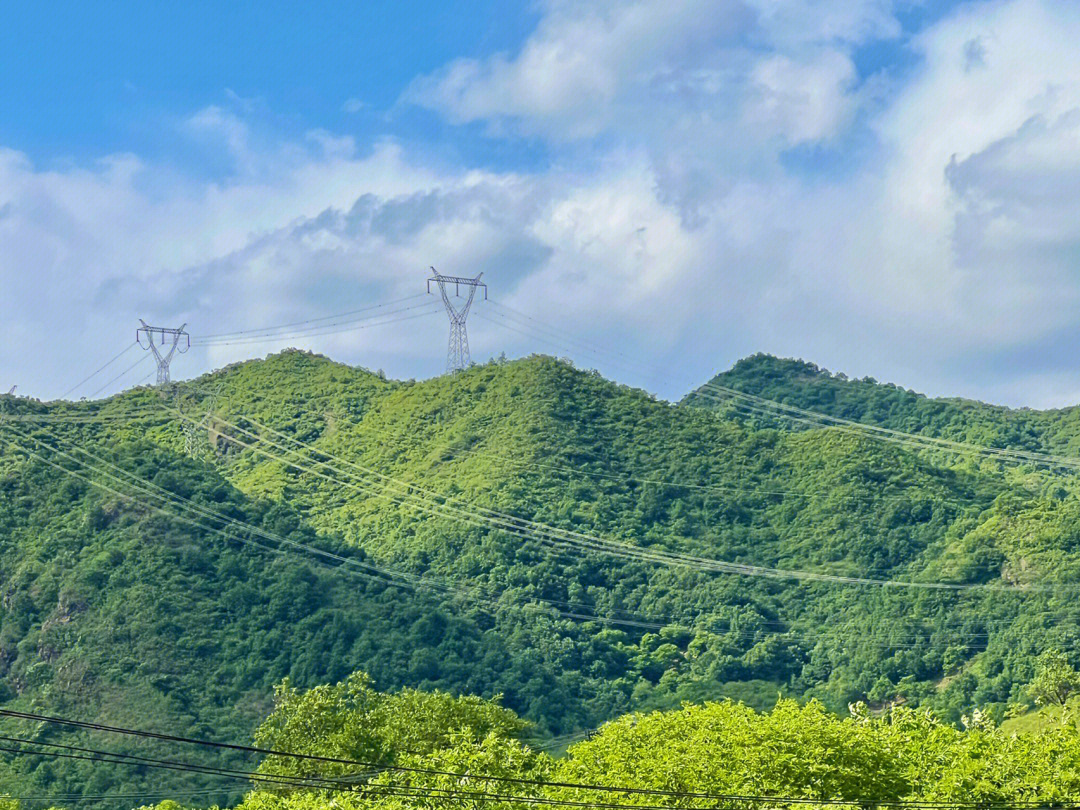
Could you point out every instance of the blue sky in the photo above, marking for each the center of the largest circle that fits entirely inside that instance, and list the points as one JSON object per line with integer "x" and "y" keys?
{"x": 82, "y": 80}
{"x": 887, "y": 189}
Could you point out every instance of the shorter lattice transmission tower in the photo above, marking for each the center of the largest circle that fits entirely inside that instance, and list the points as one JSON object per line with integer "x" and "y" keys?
{"x": 194, "y": 431}
{"x": 173, "y": 338}
{"x": 457, "y": 353}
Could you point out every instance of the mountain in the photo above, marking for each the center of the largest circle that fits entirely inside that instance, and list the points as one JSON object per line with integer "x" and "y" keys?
{"x": 805, "y": 385}
{"x": 520, "y": 528}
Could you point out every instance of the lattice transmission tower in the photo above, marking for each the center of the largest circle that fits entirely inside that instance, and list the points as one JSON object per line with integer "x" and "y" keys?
{"x": 175, "y": 339}
{"x": 457, "y": 353}
{"x": 194, "y": 434}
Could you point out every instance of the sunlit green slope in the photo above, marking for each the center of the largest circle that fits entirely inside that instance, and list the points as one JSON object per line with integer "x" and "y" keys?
{"x": 515, "y": 529}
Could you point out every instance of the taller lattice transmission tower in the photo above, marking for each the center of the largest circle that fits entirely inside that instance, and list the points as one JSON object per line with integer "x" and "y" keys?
{"x": 457, "y": 353}
{"x": 173, "y": 338}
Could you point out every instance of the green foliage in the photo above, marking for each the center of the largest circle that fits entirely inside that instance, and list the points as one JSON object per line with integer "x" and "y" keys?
{"x": 111, "y": 611}
{"x": 1055, "y": 680}
{"x": 726, "y": 749}
{"x": 350, "y": 720}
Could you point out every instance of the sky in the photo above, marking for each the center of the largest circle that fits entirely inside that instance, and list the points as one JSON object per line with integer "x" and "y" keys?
{"x": 652, "y": 188}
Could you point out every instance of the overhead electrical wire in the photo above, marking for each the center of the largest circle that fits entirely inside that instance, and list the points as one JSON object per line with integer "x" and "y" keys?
{"x": 577, "y": 615}
{"x": 428, "y": 507}
{"x": 622, "y": 619}
{"x": 162, "y": 495}
{"x": 276, "y": 327}
{"x": 426, "y": 308}
{"x": 465, "y": 777}
{"x": 313, "y": 327}
{"x": 527, "y": 524}
{"x": 713, "y": 488}
{"x": 913, "y": 440}
{"x": 144, "y": 378}
{"x": 142, "y": 359}
{"x": 509, "y": 311}
{"x": 56, "y": 799}
{"x": 530, "y": 327}
{"x": 258, "y": 778}
{"x": 752, "y": 634}
{"x": 97, "y": 371}
{"x": 449, "y": 447}
{"x": 74, "y": 419}
{"x": 394, "y": 577}
{"x": 118, "y": 758}
{"x": 550, "y": 341}
{"x": 382, "y": 790}
{"x": 587, "y": 542}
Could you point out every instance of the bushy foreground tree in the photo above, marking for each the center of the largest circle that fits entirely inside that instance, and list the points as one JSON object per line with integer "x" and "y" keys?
{"x": 444, "y": 751}
{"x": 1055, "y": 681}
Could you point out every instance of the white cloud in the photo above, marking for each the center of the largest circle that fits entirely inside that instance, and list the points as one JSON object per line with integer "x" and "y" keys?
{"x": 668, "y": 226}
{"x": 802, "y": 100}
{"x": 712, "y": 91}
{"x": 791, "y": 24}
{"x": 583, "y": 63}
{"x": 968, "y": 198}
{"x": 632, "y": 67}
{"x": 93, "y": 248}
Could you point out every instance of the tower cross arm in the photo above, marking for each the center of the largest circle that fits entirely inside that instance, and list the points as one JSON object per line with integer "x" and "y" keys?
{"x": 174, "y": 337}
{"x": 456, "y": 280}
{"x": 474, "y": 282}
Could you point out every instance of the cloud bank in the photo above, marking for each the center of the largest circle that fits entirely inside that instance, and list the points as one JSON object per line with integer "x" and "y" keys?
{"x": 724, "y": 178}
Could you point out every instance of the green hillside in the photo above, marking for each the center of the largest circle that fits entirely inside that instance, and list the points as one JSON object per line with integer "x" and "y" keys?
{"x": 805, "y": 385}
{"x": 330, "y": 520}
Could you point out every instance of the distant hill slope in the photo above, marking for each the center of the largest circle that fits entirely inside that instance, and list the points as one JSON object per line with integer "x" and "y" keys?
{"x": 112, "y": 610}
{"x": 797, "y": 382}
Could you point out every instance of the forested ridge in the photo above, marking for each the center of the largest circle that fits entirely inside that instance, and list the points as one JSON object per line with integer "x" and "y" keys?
{"x": 804, "y": 384}
{"x": 480, "y": 533}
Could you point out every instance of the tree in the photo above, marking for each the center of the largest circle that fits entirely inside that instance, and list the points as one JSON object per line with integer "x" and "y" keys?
{"x": 1055, "y": 680}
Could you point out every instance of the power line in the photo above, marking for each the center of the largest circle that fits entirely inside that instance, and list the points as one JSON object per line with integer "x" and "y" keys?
{"x": 602, "y": 545}
{"x": 910, "y": 440}
{"x": 407, "y": 580}
{"x": 111, "y": 758}
{"x": 266, "y": 329}
{"x": 69, "y": 798}
{"x": 550, "y": 341}
{"x": 396, "y": 577}
{"x": 543, "y": 326}
{"x": 427, "y": 308}
{"x": 919, "y": 441}
{"x": 464, "y": 777}
{"x": 413, "y": 581}
{"x": 421, "y": 583}
{"x": 118, "y": 376}
{"x": 439, "y": 509}
{"x": 717, "y": 488}
{"x": 751, "y": 633}
{"x": 97, "y": 371}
